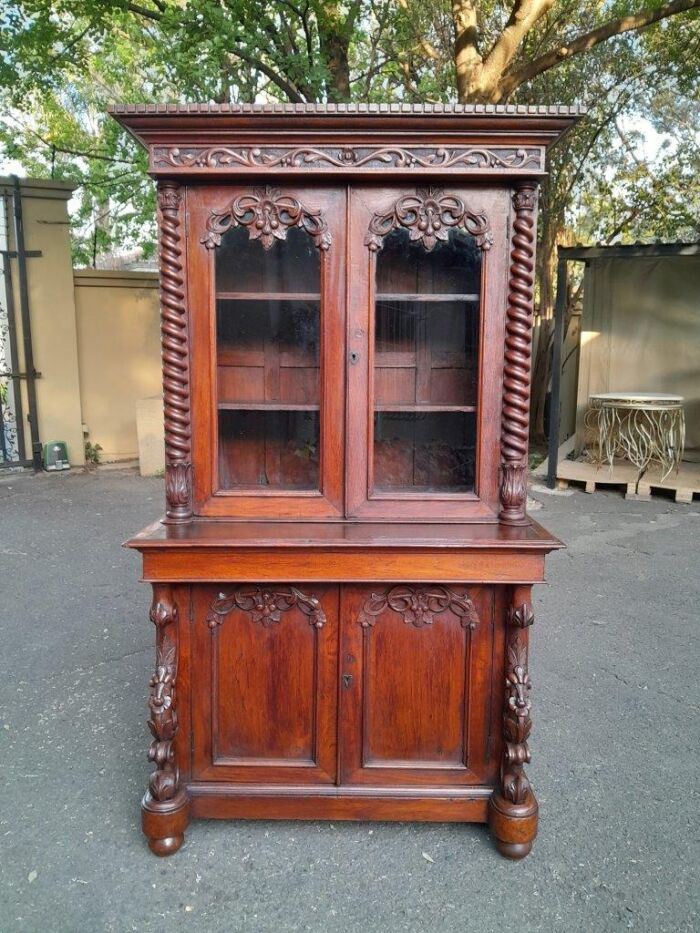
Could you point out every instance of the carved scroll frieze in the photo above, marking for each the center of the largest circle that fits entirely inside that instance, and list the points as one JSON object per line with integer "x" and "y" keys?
{"x": 418, "y": 606}
{"x": 267, "y": 214}
{"x": 429, "y": 215}
{"x": 265, "y": 606}
{"x": 517, "y": 724}
{"x": 464, "y": 159}
{"x": 163, "y": 782}
{"x": 175, "y": 346}
{"x": 515, "y": 414}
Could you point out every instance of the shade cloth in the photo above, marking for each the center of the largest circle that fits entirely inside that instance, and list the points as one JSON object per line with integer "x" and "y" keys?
{"x": 641, "y": 332}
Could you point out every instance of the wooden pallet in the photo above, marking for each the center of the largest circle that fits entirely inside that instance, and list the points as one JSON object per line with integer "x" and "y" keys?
{"x": 684, "y": 484}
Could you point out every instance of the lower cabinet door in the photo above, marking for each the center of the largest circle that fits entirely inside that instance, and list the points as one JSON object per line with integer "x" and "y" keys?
{"x": 264, "y": 679}
{"x": 417, "y": 704}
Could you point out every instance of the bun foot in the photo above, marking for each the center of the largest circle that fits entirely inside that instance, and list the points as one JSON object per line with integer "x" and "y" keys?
{"x": 514, "y": 850}
{"x": 164, "y": 822}
{"x": 514, "y": 825}
{"x": 166, "y": 846}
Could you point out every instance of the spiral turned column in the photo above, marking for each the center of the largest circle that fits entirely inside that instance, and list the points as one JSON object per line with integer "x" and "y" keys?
{"x": 515, "y": 414}
{"x": 176, "y": 372}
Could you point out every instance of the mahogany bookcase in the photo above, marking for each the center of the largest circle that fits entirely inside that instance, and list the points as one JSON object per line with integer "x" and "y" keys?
{"x": 342, "y": 579}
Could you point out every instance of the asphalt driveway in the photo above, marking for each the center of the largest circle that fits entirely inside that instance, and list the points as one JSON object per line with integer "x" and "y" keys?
{"x": 615, "y": 668}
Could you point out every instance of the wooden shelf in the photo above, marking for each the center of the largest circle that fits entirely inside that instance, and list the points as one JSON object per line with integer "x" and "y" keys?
{"x": 268, "y": 296}
{"x": 403, "y": 296}
{"x": 266, "y": 406}
{"x": 420, "y": 409}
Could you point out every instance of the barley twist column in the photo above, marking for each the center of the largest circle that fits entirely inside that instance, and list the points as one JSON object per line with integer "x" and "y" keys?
{"x": 175, "y": 347}
{"x": 515, "y": 414}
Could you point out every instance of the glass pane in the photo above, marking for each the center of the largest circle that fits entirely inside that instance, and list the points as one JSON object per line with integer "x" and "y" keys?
{"x": 268, "y": 362}
{"x": 426, "y": 346}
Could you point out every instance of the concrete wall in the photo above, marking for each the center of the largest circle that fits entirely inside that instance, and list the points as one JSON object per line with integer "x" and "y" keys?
{"x": 52, "y": 311}
{"x": 118, "y": 336}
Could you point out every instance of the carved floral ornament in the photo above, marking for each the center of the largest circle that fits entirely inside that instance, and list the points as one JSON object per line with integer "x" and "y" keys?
{"x": 265, "y": 606}
{"x": 268, "y": 214}
{"x": 429, "y": 215}
{"x": 419, "y": 605}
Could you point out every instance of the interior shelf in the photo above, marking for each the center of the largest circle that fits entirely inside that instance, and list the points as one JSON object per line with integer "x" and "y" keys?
{"x": 265, "y": 406}
{"x": 395, "y": 406}
{"x": 269, "y": 296}
{"x": 404, "y": 296}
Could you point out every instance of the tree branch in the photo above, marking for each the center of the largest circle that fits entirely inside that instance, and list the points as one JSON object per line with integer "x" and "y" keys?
{"x": 427, "y": 46}
{"x": 524, "y": 15}
{"x": 289, "y": 89}
{"x": 142, "y": 11}
{"x": 584, "y": 43}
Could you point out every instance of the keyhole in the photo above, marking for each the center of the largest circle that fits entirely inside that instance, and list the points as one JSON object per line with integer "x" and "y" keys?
{"x": 354, "y": 357}
{"x": 347, "y": 680}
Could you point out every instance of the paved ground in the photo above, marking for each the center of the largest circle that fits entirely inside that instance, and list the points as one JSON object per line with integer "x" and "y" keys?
{"x": 615, "y": 669}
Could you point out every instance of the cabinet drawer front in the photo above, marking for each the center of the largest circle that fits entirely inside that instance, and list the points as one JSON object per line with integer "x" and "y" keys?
{"x": 265, "y": 684}
{"x": 416, "y": 692}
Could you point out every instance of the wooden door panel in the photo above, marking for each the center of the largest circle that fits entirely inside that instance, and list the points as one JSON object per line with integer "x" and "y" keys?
{"x": 416, "y": 697}
{"x": 265, "y": 709}
{"x": 268, "y": 403}
{"x": 424, "y": 387}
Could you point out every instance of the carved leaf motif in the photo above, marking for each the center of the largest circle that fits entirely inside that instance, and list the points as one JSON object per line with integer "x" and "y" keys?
{"x": 418, "y": 606}
{"x": 428, "y": 216}
{"x": 521, "y": 616}
{"x": 267, "y": 214}
{"x": 513, "y": 486}
{"x": 265, "y": 606}
{"x": 163, "y": 723}
{"x": 178, "y": 483}
{"x": 162, "y": 613}
{"x": 517, "y": 724}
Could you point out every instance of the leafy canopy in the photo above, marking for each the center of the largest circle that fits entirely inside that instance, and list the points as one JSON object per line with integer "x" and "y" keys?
{"x": 63, "y": 61}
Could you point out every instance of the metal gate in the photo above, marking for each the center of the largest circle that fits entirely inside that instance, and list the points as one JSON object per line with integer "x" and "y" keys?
{"x": 20, "y": 445}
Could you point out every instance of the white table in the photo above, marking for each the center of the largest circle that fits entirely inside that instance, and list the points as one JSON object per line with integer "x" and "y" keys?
{"x": 644, "y": 427}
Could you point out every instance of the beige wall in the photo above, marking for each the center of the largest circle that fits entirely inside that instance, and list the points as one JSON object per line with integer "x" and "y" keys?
{"x": 118, "y": 330}
{"x": 52, "y": 312}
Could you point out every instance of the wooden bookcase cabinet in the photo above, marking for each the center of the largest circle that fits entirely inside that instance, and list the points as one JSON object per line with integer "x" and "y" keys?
{"x": 342, "y": 580}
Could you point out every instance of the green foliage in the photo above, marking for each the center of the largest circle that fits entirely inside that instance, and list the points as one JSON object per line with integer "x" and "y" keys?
{"x": 64, "y": 61}
{"x": 93, "y": 453}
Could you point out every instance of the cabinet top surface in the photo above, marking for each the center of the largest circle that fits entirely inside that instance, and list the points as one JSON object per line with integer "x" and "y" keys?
{"x": 227, "y": 534}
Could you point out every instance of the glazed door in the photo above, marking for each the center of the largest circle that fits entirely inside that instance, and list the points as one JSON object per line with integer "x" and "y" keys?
{"x": 416, "y": 696}
{"x": 267, "y": 313}
{"x": 426, "y": 312}
{"x": 265, "y": 683}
